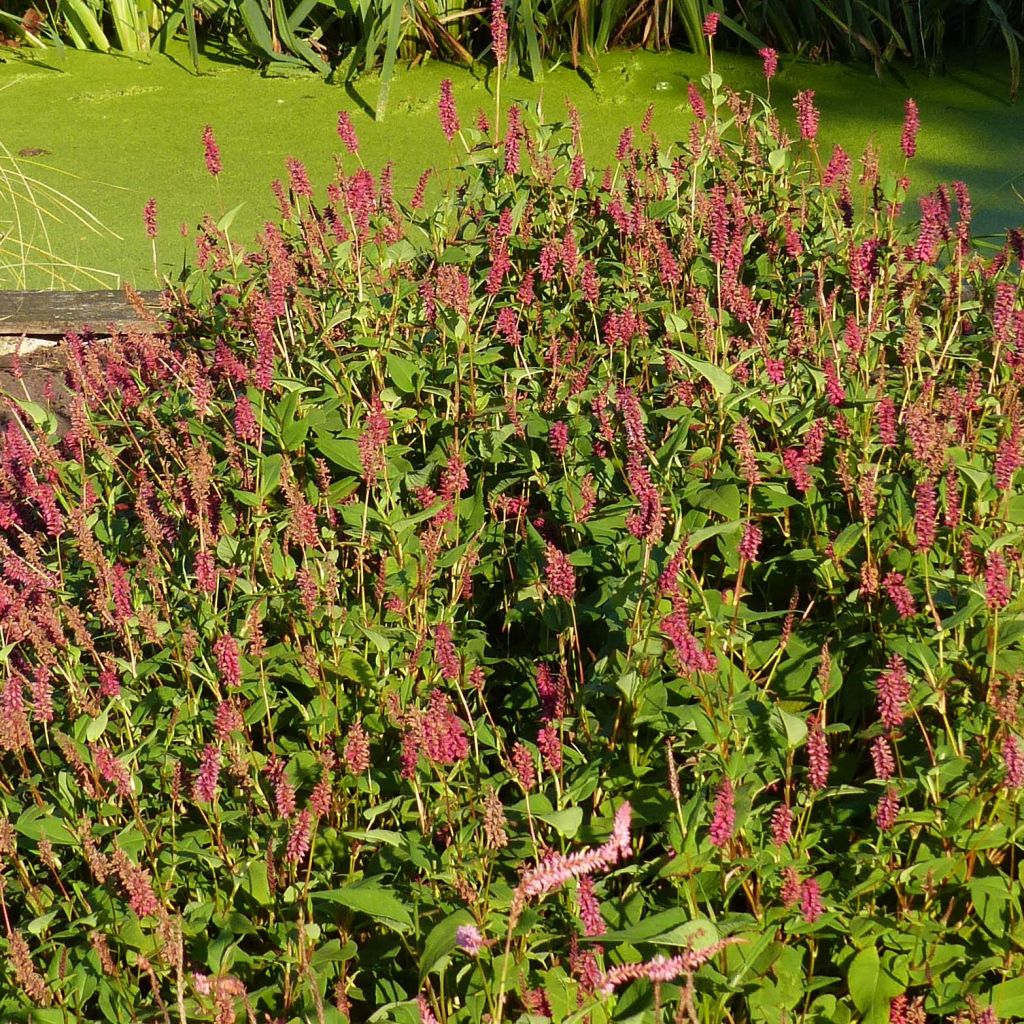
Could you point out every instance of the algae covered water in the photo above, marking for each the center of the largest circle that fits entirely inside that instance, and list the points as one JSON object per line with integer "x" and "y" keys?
{"x": 110, "y": 133}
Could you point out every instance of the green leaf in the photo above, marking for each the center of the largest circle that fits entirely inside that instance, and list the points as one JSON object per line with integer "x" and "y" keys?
{"x": 871, "y": 988}
{"x": 342, "y": 451}
{"x": 80, "y": 14}
{"x": 696, "y": 934}
{"x": 376, "y": 901}
{"x": 49, "y": 1016}
{"x": 792, "y": 727}
{"x": 39, "y": 822}
{"x": 257, "y": 883}
{"x": 375, "y": 836}
{"x": 38, "y": 925}
{"x": 224, "y": 224}
{"x": 441, "y": 941}
{"x": 258, "y": 31}
{"x": 629, "y": 684}
{"x": 403, "y": 373}
{"x": 397, "y": 10}
{"x": 38, "y": 414}
{"x": 353, "y": 666}
{"x": 332, "y": 952}
{"x": 293, "y": 43}
{"x": 669, "y": 928}
{"x": 293, "y": 433}
{"x": 698, "y": 537}
{"x": 725, "y": 500}
{"x": 193, "y": 36}
{"x": 94, "y": 730}
{"x": 270, "y": 475}
{"x": 714, "y": 375}
{"x": 1008, "y": 999}
{"x": 528, "y": 20}
{"x": 566, "y": 822}
{"x": 844, "y": 543}
{"x": 990, "y": 895}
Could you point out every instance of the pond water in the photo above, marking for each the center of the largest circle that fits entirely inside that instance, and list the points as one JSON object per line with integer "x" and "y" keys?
{"x": 111, "y": 132}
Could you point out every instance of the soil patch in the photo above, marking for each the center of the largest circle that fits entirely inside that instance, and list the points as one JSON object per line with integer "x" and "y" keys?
{"x": 37, "y": 375}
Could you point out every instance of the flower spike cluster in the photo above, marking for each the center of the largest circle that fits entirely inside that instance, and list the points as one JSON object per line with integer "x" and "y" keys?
{"x": 556, "y": 870}
{"x": 662, "y": 969}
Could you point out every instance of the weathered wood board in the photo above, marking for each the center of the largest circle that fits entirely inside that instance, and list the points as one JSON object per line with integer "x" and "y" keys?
{"x": 53, "y": 314}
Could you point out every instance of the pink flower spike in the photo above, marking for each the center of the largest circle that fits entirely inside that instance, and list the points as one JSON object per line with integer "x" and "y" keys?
{"x": 751, "y": 542}
{"x": 710, "y": 26}
{"x": 782, "y": 825}
{"x": 211, "y": 151}
{"x": 357, "y": 749}
{"x": 1013, "y": 762}
{"x": 888, "y": 810}
{"x": 818, "y": 761}
{"x": 204, "y": 789}
{"x": 499, "y": 31}
{"x": 700, "y": 111}
{"x": 997, "y": 587}
{"x": 811, "y": 907}
{"x": 299, "y": 839}
{"x": 806, "y": 115}
{"x": 347, "y": 133}
{"x": 620, "y": 830}
{"x": 149, "y": 218}
{"x": 426, "y": 1013}
{"x": 893, "y": 693}
{"x": 559, "y": 573}
{"x": 724, "y": 821}
{"x": 660, "y": 968}
{"x": 900, "y": 594}
{"x": 911, "y": 125}
{"x": 555, "y": 870}
{"x": 469, "y": 939}
{"x": 228, "y": 660}
{"x": 445, "y": 653}
{"x": 446, "y": 111}
{"x": 590, "y": 908}
{"x": 770, "y": 62}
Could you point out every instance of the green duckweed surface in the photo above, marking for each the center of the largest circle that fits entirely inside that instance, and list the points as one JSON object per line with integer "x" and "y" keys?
{"x": 114, "y": 132}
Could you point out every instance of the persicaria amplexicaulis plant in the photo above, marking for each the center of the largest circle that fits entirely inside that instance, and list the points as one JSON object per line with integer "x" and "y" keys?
{"x": 595, "y": 594}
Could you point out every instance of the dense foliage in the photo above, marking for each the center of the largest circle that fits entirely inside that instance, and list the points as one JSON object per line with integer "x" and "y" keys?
{"x": 596, "y": 597}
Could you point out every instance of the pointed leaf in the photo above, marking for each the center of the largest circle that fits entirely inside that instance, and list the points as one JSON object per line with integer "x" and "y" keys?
{"x": 871, "y": 988}
{"x": 375, "y": 901}
{"x": 441, "y": 941}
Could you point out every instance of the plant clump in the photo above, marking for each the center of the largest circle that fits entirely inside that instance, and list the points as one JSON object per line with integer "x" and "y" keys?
{"x": 593, "y": 596}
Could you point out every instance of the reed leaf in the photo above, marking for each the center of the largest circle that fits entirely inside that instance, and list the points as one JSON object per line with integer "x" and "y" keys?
{"x": 1012, "y": 37}
{"x": 396, "y": 13}
{"x": 86, "y": 26}
{"x": 132, "y": 36}
{"x": 527, "y": 19}
{"x": 740, "y": 30}
{"x": 294, "y": 43}
{"x": 691, "y": 14}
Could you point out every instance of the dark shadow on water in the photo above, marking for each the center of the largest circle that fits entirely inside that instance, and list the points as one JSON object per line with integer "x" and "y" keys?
{"x": 36, "y": 61}
{"x": 357, "y": 99}
{"x": 584, "y": 76}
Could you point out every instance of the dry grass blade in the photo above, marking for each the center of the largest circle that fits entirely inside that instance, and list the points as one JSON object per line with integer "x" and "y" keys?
{"x": 29, "y": 207}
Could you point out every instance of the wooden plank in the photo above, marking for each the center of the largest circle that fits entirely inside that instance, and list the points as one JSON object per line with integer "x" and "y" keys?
{"x": 56, "y": 313}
